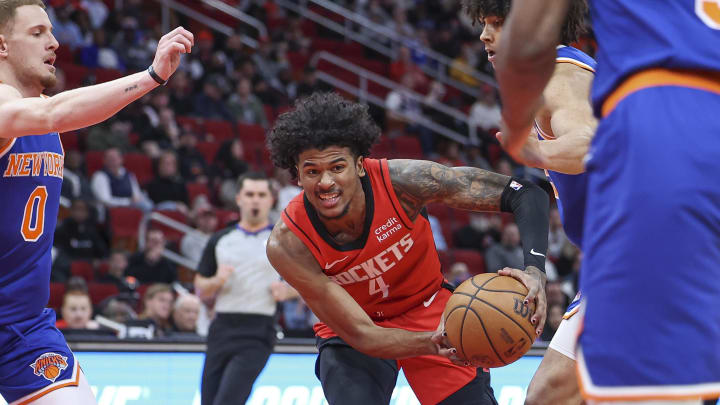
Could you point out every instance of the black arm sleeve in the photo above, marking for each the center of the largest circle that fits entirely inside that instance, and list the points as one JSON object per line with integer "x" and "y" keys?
{"x": 531, "y": 207}
{"x": 208, "y": 263}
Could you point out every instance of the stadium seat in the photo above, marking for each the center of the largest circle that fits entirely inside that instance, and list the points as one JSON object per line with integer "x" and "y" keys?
{"x": 124, "y": 225}
{"x": 195, "y": 124}
{"x": 69, "y": 140}
{"x": 197, "y": 189}
{"x": 251, "y": 133}
{"x": 100, "y": 291}
{"x": 208, "y": 150}
{"x": 82, "y": 268}
{"x": 474, "y": 259}
{"x": 408, "y": 147}
{"x": 219, "y": 129}
{"x": 140, "y": 165}
{"x": 57, "y": 290}
{"x": 225, "y": 217}
{"x": 93, "y": 161}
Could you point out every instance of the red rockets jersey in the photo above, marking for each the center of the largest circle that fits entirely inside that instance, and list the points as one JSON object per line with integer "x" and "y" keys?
{"x": 391, "y": 268}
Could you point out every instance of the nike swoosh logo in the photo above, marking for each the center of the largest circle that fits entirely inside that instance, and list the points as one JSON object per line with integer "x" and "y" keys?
{"x": 428, "y": 302}
{"x": 329, "y": 265}
{"x": 533, "y": 252}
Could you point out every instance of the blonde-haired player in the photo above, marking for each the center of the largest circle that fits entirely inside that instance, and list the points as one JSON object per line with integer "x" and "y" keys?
{"x": 36, "y": 365}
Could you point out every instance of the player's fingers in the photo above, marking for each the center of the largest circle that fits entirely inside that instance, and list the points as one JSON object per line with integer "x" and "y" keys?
{"x": 499, "y": 137}
{"x": 187, "y": 34}
{"x": 179, "y": 38}
{"x": 518, "y": 275}
{"x": 540, "y": 313}
{"x": 177, "y": 47}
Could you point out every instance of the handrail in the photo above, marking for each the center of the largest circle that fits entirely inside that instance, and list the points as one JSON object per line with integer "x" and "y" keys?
{"x": 232, "y": 11}
{"x": 196, "y": 15}
{"x": 443, "y": 61}
{"x": 362, "y": 93}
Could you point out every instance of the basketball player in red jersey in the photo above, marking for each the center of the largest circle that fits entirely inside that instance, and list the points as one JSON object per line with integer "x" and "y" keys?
{"x": 357, "y": 246}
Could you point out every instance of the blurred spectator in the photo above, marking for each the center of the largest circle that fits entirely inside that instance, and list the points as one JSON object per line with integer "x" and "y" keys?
{"x": 230, "y": 164}
{"x": 450, "y": 154}
{"x": 78, "y": 234}
{"x": 403, "y": 110}
{"x": 210, "y": 104}
{"x": 458, "y": 273}
{"x": 193, "y": 243}
{"x": 114, "y": 133}
{"x": 157, "y": 304}
{"x": 118, "y": 310}
{"x": 158, "y": 121}
{"x": 504, "y": 166}
{"x": 555, "y": 295}
{"x": 556, "y": 238}
{"x": 485, "y": 112}
{"x": 75, "y": 183}
{"x": 99, "y": 54}
{"x": 266, "y": 64}
{"x": 168, "y": 190}
{"x": 97, "y": 12}
{"x": 114, "y": 186}
{"x": 117, "y": 264}
{"x": 555, "y": 314}
{"x": 298, "y": 318}
{"x": 185, "y": 313}
{"x": 475, "y": 158}
{"x": 464, "y": 64}
{"x": 245, "y": 106}
{"x": 481, "y": 232}
{"x": 149, "y": 265}
{"x": 193, "y": 167}
{"x": 400, "y": 22}
{"x": 181, "y": 93}
{"x": 76, "y": 311}
{"x": 440, "y": 243}
{"x": 131, "y": 44}
{"x": 309, "y": 83}
{"x": 507, "y": 253}
{"x": 287, "y": 189}
{"x": 404, "y": 65}
{"x": 65, "y": 30}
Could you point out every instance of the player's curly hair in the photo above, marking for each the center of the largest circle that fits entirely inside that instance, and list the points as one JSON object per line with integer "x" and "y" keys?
{"x": 572, "y": 29}
{"x": 319, "y": 121}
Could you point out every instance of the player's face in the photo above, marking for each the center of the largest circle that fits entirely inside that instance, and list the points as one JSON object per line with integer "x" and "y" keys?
{"x": 30, "y": 47}
{"x": 492, "y": 28}
{"x": 255, "y": 201}
{"x": 330, "y": 179}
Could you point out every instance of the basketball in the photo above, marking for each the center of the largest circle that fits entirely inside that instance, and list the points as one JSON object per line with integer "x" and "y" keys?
{"x": 487, "y": 321}
{"x": 51, "y": 372}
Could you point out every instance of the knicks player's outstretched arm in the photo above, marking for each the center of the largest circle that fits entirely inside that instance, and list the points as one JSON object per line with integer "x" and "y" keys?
{"x": 526, "y": 60}
{"x": 336, "y": 308}
{"x": 90, "y": 105}
{"x": 571, "y": 119}
{"x": 419, "y": 182}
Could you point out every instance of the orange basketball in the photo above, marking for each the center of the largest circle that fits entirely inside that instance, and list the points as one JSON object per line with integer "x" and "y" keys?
{"x": 487, "y": 321}
{"x": 51, "y": 371}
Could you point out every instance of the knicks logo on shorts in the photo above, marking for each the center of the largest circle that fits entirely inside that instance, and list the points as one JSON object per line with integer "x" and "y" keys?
{"x": 49, "y": 366}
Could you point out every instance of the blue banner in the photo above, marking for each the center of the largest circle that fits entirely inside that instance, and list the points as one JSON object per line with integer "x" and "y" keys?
{"x": 288, "y": 379}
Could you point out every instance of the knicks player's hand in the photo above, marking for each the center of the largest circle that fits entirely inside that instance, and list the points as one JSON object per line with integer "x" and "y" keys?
{"x": 171, "y": 45}
{"x": 527, "y": 152}
{"x": 534, "y": 279}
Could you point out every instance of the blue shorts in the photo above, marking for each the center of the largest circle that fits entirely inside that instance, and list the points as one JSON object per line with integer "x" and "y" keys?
{"x": 35, "y": 359}
{"x": 651, "y": 267}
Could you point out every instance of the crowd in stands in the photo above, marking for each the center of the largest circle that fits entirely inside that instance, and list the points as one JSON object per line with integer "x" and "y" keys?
{"x": 180, "y": 150}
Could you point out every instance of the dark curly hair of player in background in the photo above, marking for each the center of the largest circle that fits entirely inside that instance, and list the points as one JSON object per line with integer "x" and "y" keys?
{"x": 572, "y": 29}
{"x": 317, "y": 122}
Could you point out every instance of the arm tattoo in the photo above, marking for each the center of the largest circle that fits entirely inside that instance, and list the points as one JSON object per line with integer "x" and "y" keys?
{"x": 131, "y": 88}
{"x": 419, "y": 182}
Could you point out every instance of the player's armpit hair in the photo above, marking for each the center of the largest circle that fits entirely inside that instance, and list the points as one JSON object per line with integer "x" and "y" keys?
{"x": 419, "y": 182}
{"x": 319, "y": 121}
{"x": 573, "y": 27}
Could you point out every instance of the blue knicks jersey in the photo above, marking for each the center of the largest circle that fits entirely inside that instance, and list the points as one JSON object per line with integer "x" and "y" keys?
{"x": 570, "y": 189}
{"x": 638, "y": 34}
{"x": 31, "y": 171}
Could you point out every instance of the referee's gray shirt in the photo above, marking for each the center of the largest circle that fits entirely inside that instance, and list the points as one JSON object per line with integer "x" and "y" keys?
{"x": 247, "y": 291}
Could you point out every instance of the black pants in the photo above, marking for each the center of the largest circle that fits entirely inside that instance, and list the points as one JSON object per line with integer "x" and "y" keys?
{"x": 349, "y": 377}
{"x": 238, "y": 346}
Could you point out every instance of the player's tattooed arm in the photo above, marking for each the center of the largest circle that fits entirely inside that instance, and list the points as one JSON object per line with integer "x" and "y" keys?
{"x": 419, "y": 182}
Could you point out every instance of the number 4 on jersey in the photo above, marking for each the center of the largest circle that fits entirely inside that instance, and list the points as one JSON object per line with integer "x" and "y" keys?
{"x": 709, "y": 12}
{"x": 32, "y": 230}
{"x": 377, "y": 285}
